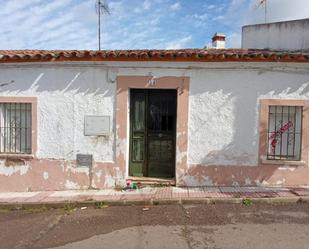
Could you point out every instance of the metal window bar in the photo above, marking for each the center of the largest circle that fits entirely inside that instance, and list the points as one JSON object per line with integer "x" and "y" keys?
{"x": 281, "y": 123}
{"x": 288, "y": 134}
{"x": 15, "y": 128}
{"x": 294, "y": 131}
{"x": 282, "y": 128}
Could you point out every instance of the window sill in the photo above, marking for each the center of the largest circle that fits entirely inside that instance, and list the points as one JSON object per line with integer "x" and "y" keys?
{"x": 16, "y": 156}
{"x": 284, "y": 162}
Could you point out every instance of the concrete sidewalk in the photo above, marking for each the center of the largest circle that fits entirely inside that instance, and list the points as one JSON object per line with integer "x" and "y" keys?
{"x": 157, "y": 195}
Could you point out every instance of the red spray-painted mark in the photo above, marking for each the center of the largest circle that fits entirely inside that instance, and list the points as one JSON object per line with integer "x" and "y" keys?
{"x": 278, "y": 133}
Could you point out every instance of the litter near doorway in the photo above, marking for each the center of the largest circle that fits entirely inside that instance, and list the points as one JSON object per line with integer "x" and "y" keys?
{"x": 130, "y": 186}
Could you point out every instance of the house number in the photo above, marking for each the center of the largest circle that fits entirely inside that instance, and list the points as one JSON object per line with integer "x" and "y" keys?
{"x": 152, "y": 82}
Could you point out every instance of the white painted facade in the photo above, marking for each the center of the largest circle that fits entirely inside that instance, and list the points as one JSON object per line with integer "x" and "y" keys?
{"x": 224, "y": 110}
{"x": 287, "y": 35}
{"x": 65, "y": 96}
{"x": 223, "y": 105}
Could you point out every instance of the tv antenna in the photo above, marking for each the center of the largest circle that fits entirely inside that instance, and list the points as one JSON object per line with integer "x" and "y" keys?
{"x": 264, "y": 2}
{"x": 102, "y": 8}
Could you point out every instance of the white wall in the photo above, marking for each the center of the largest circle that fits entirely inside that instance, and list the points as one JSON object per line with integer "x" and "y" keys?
{"x": 289, "y": 35}
{"x": 65, "y": 96}
{"x": 223, "y": 111}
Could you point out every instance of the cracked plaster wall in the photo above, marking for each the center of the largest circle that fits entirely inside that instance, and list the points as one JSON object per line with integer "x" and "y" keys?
{"x": 224, "y": 112}
{"x": 222, "y": 131}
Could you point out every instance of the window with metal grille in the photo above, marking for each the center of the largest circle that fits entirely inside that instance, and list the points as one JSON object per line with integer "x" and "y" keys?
{"x": 15, "y": 128}
{"x": 284, "y": 132}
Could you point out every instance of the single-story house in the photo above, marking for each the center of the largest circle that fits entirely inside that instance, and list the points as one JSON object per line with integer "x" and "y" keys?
{"x": 197, "y": 117}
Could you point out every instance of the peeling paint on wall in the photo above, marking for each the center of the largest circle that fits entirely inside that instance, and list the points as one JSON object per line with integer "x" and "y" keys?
{"x": 45, "y": 175}
{"x": 248, "y": 182}
{"x": 222, "y": 128}
{"x": 10, "y": 170}
{"x": 71, "y": 185}
{"x": 271, "y": 175}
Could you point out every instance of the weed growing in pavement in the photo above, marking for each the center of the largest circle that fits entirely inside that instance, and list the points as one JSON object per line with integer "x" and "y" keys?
{"x": 4, "y": 210}
{"x": 155, "y": 203}
{"x": 38, "y": 209}
{"x": 247, "y": 202}
{"x": 118, "y": 187}
{"x": 69, "y": 208}
{"x": 100, "y": 205}
{"x": 212, "y": 202}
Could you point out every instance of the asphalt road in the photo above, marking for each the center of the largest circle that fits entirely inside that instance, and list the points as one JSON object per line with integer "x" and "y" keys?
{"x": 216, "y": 226}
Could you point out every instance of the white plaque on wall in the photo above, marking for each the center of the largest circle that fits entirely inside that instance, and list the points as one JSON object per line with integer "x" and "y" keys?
{"x": 97, "y": 125}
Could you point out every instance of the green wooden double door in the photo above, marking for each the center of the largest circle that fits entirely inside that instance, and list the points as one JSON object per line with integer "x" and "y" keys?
{"x": 152, "y": 133}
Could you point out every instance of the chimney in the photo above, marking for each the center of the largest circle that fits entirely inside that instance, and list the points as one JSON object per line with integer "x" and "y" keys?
{"x": 218, "y": 41}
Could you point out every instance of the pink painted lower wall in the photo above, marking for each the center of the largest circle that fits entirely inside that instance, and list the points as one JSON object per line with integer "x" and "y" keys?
{"x": 35, "y": 174}
{"x": 267, "y": 175}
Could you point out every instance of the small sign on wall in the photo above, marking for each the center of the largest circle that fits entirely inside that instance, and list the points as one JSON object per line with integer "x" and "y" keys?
{"x": 83, "y": 160}
{"x": 97, "y": 125}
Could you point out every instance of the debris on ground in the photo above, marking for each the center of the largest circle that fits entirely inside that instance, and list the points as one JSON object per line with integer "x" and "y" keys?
{"x": 130, "y": 186}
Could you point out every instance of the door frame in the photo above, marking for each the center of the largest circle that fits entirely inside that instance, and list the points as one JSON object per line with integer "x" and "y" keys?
{"x": 122, "y": 129}
{"x": 147, "y": 92}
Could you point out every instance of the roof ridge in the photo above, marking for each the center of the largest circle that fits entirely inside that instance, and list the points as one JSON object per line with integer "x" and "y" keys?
{"x": 191, "y": 54}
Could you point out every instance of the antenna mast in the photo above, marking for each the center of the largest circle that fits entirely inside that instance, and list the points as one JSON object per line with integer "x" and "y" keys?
{"x": 265, "y": 1}
{"x": 101, "y": 8}
{"x": 265, "y": 8}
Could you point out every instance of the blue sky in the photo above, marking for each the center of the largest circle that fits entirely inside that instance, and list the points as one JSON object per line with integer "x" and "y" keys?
{"x": 134, "y": 24}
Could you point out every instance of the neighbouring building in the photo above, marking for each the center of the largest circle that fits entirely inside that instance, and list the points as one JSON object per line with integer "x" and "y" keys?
{"x": 218, "y": 41}
{"x": 286, "y": 35}
{"x": 80, "y": 119}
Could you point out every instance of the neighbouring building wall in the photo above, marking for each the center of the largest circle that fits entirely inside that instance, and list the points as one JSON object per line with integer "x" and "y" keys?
{"x": 223, "y": 126}
{"x": 287, "y": 35}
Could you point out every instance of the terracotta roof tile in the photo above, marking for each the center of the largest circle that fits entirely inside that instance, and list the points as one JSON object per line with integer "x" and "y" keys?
{"x": 194, "y": 55}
